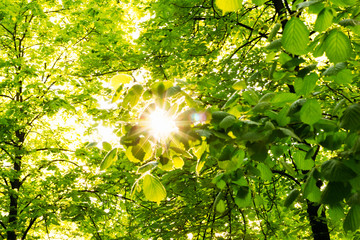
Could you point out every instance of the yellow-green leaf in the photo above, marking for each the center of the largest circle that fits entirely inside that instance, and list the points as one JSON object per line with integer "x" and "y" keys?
{"x": 117, "y": 94}
{"x": 178, "y": 162}
{"x": 153, "y": 189}
{"x": 199, "y": 166}
{"x": 239, "y": 85}
{"x": 229, "y": 5}
{"x": 119, "y": 79}
{"x": 220, "y": 206}
{"x": 106, "y": 146}
{"x": 109, "y": 159}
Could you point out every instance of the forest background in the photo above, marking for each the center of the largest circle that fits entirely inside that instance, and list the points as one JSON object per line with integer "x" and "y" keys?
{"x": 230, "y": 119}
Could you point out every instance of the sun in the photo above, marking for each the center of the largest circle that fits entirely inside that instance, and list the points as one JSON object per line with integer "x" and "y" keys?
{"x": 161, "y": 124}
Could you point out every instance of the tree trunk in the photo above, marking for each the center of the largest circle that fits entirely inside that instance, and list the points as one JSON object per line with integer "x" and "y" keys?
{"x": 11, "y": 233}
{"x": 13, "y": 208}
{"x": 318, "y": 224}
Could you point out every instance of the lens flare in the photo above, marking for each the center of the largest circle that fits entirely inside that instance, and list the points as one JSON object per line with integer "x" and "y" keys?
{"x": 161, "y": 124}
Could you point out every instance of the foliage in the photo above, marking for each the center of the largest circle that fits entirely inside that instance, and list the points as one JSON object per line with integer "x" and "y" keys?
{"x": 264, "y": 96}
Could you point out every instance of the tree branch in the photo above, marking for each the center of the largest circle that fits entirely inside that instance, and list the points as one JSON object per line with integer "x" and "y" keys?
{"x": 3, "y": 225}
{"x": 32, "y": 221}
{"x": 287, "y": 175}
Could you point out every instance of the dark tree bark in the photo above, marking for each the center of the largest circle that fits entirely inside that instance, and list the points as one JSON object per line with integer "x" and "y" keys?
{"x": 318, "y": 224}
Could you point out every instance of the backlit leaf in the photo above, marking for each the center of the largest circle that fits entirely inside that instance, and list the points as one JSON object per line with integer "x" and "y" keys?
{"x": 153, "y": 189}
{"x": 106, "y": 146}
{"x": 109, "y": 159}
{"x": 178, "y": 162}
{"x": 337, "y": 46}
{"x": 229, "y": 5}
{"x": 324, "y": 20}
{"x": 119, "y": 79}
{"x": 295, "y": 37}
{"x": 117, "y": 94}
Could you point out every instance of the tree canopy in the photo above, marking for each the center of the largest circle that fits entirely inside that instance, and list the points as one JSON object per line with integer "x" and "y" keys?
{"x": 232, "y": 119}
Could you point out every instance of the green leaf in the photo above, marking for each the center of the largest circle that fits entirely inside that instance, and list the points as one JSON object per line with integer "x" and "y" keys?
{"x": 274, "y": 31}
{"x": 109, "y": 159}
{"x": 309, "y": 83}
{"x": 288, "y": 168}
{"x": 227, "y": 122}
{"x": 147, "y": 167}
{"x": 153, "y": 189}
{"x": 281, "y": 99}
{"x": 350, "y": 120}
{"x": 265, "y": 171}
{"x": 182, "y": 152}
{"x": 218, "y": 116}
{"x": 173, "y": 91}
{"x": 243, "y": 197}
{"x": 336, "y": 212}
{"x": 333, "y": 70}
{"x": 310, "y": 112}
{"x": 337, "y": 46}
{"x": 307, "y": 3}
{"x": 349, "y": 22}
{"x": 335, "y": 192}
{"x": 282, "y": 119}
{"x": 352, "y": 220}
{"x": 106, "y": 146}
{"x": 251, "y": 96}
{"x": 220, "y": 206}
{"x": 91, "y": 145}
{"x": 324, "y": 20}
{"x": 334, "y": 170}
{"x": 274, "y": 45}
{"x": 303, "y": 163}
{"x": 311, "y": 191}
{"x": 261, "y": 107}
{"x": 199, "y": 150}
{"x": 232, "y": 100}
{"x": 135, "y": 153}
{"x": 258, "y": 2}
{"x": 344, "y": 77}
{"x": 178, "y": 162}
{"x": 290, "y": 133}
{"x": 291, "y": 197}
{"x": 221, "y": 184}
{"x": 295, "y": 37}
